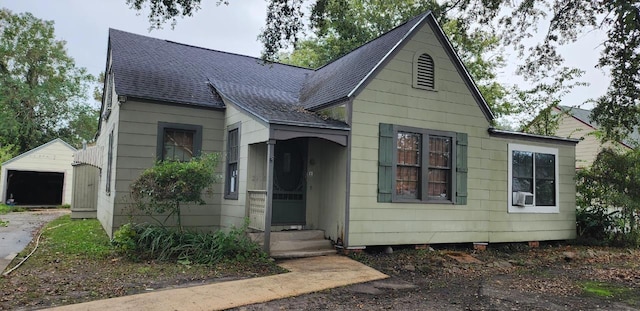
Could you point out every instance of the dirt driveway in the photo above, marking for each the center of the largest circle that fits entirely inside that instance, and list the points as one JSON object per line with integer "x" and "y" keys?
{"x": 20, "y": 230}
{"x": 553, "y": 277}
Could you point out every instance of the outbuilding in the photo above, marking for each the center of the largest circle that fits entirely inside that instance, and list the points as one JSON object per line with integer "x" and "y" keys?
{"x": 39, "y": 177}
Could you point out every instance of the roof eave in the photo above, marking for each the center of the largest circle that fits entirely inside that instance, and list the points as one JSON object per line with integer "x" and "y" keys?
{"x": 309, "y": 124}
{"x": 498, "y": 132}
{"x": 387, "y": 56}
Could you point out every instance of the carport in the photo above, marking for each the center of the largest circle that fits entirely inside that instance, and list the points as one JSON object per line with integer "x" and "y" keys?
{"x": 39, "y": 177}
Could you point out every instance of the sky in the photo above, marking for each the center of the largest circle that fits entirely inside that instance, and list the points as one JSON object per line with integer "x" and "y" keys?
{"x": 84, "y": 25}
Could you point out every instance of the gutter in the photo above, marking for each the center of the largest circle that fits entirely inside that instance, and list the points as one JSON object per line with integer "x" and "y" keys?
{"x": 496, "y": 132}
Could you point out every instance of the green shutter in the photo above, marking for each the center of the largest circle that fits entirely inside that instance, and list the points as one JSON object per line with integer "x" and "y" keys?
{"x": 385, "y": 163}
{"x": 461, "y": 169}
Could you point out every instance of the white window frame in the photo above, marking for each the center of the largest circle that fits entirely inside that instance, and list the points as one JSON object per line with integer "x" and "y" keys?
{"x": 534, "y": 208}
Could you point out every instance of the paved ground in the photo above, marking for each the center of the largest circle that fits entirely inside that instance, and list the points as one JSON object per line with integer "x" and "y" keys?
{"x": 307, "y": 275}
{"x": 21, "y": 230}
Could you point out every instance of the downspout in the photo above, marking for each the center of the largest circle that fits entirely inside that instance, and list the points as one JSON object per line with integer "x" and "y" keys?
{"x": 268, "y": 209}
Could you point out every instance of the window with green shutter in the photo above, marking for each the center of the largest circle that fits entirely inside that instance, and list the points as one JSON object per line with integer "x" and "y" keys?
{"x": 421, "y": 165}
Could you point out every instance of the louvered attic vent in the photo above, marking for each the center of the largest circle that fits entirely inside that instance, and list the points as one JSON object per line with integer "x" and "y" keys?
{"x": 424, "y": 72}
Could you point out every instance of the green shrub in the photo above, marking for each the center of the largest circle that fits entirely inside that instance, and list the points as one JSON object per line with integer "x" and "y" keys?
{"x": 64, "y": 206}
{"x": 167, "y": 244}
{"x": 611, "y": 183}
{"x": 595, "y": 225}
{"x": 167, "y": 185}
{"x": 125, "y": 240}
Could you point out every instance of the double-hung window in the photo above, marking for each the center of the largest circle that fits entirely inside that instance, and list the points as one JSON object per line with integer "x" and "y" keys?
{"x": 233, "y": 156}
{"x": 178, "y": 142}
{"x": 533, "y": 179}
{"x": 423, "y": 165}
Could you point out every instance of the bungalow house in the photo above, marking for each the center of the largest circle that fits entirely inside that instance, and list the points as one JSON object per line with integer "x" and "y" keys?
{"x": 577, "y": 123}
{"x": 390, "y": 144}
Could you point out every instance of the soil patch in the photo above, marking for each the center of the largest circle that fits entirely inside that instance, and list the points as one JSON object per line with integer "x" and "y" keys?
{"x": 507, "y": 277}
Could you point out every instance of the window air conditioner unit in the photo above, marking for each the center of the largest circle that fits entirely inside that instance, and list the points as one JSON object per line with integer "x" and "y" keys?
{"x": 524, "y": 199}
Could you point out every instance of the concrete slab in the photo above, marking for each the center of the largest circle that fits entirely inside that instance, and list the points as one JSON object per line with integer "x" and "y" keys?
{"x": 20, "y": 230}
{"x": 307, "y": 275}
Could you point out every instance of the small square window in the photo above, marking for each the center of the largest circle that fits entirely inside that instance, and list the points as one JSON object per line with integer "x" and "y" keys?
{"x": 178, "y": 142}
{"x": 178, "y": 145}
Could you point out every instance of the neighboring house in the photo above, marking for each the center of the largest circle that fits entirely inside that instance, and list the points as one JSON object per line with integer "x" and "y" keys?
{"x": 577, "y": 123}
{"x": 39, "y": 177}
{"x": 390, "y": 144}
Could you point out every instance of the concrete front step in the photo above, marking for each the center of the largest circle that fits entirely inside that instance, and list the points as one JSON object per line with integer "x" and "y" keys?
{"x": 302, "y": 254}
{"x": 296, "y": 243}
{"x": 289, "y": 235}
{"x": 300, "y": 245}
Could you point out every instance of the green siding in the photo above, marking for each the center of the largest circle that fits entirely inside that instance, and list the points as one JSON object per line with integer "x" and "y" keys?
{"x": 135, "y": 141}
{"x": 389, "y": 98}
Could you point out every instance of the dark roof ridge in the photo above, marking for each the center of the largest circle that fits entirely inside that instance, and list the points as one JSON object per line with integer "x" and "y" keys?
{"x": 374, "y": 39}
{"x": 265, "y": 63}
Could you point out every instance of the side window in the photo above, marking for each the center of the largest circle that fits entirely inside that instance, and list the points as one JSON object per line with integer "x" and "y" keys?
{"x": 424, "y": 73}
{"x": 422, "y": 166}
{"x": 233, "y": 156}
{"x": 533, "y": 179}
{"x": 109, "y": 163}
{"x": 108, "y": 93}
{"x": 178, "y": 142}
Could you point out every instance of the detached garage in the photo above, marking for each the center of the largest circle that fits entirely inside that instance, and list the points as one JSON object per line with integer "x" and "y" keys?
{"x": 41, "y": 176}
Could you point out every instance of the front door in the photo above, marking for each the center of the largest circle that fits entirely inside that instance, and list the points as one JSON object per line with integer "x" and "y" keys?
{"x": 289, "y": 183}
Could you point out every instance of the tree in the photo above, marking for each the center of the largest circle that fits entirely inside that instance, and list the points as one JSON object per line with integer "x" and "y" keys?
{"x": 42, "y": 92}
{"x": 339, "y": 26}
{"x": 612, "y": 183}
{"x": 548, "y": 23}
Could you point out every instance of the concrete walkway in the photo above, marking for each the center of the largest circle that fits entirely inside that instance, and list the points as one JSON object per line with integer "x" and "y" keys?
{"x": 20, "y": 230}
{"x": 307, "y": 275}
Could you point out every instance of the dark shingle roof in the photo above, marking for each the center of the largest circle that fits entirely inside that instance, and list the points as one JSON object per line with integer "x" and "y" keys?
{"x": 167, "y": 71}
{"x": 163, "y": 70}
{"x": 339, "y": 78}
{"x": 584, "y": 116}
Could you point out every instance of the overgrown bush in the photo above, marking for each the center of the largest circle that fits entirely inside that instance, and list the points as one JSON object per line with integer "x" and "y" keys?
{"x": 163, "y": 188}
{"x": 595, "y": 225}
{"x": 125, "y": 240}
{"x": 166, "y": 244}
{"x": 609, "y": 199}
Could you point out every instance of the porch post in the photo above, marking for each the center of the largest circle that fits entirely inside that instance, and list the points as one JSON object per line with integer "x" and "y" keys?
{"x": 268, "y": 209}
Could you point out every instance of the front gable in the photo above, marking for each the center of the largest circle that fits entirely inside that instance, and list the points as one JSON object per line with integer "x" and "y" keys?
{"x": 425, "y": 60}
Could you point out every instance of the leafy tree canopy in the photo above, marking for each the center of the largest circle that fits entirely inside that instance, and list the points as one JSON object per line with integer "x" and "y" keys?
{"x": 343, "y": 25}
{"x": 42, "y": 92}
{"x": 547, "y": 23}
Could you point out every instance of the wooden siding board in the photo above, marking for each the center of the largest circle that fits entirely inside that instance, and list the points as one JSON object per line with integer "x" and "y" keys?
{"x": 251, "y": 132}
{"x": 390, "y": 98}
{"x": 136, "y": 126}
